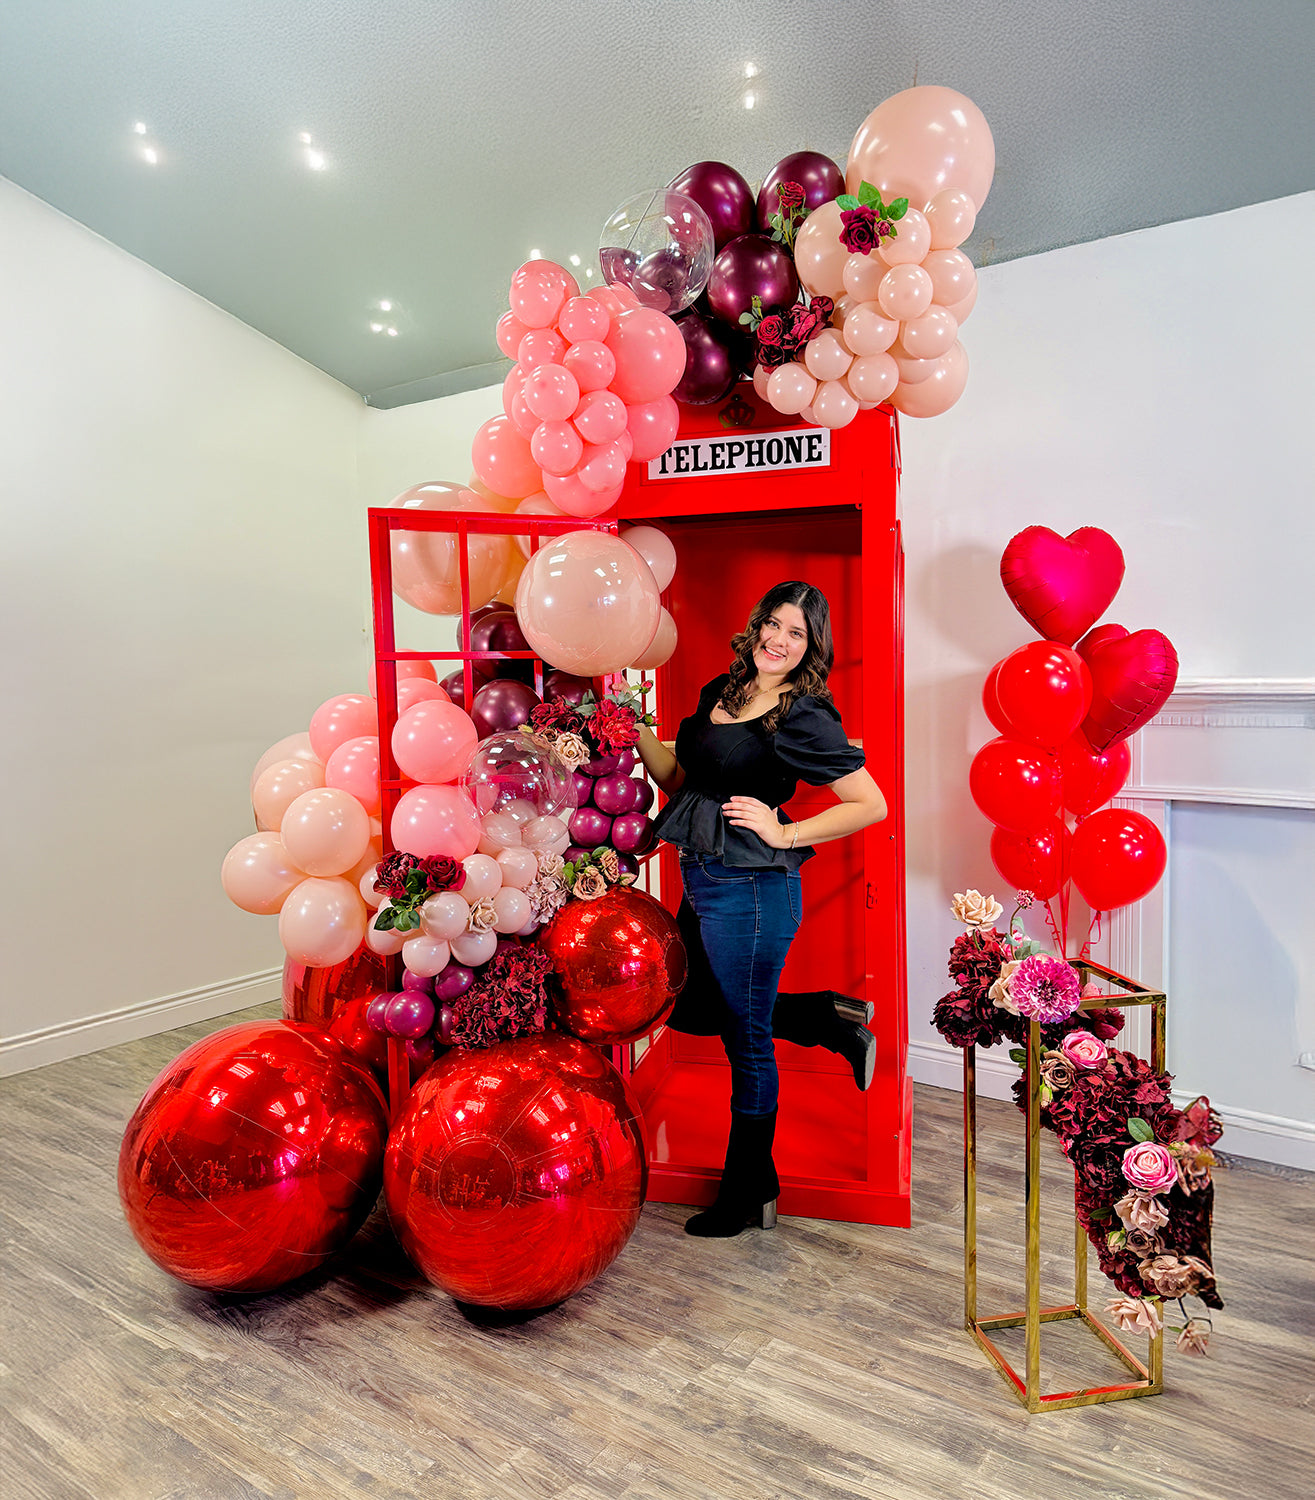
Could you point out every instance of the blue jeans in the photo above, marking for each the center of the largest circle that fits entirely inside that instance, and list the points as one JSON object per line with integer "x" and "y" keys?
{"x": 747, "y": 920}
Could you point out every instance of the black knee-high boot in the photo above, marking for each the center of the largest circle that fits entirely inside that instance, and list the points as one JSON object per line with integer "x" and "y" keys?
{"x": 812, "y": 1019}
{"x": 749, "y": 1183}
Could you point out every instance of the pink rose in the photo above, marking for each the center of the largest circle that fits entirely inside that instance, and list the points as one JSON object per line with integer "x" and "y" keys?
{"x": 1150, "y": 1166}
{"x": 1084, "y": 1050}
{"x": 1134, "y": 1315}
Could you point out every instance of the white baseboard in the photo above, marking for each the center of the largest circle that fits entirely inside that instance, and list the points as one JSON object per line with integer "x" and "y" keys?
{"x": 35, "y": 1049}
{"x": 1268, "y": 1138}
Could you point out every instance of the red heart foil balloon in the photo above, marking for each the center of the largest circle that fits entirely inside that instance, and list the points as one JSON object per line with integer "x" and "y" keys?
{"x": 1132, "y": 677}
{"x": 1062, "y": 585}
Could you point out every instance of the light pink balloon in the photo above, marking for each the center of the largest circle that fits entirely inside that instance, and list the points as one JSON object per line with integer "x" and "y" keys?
{"x": 931, "y": 397}
{"x": 906, "y": 291}
{"x": 279, "y": 785}
{"x": 819, "y": 257}
{"x": 519, "y": 866}
{"x": 591, "y": 363}
{"x": 583, "y": 320}
{"x": 540, "y": 346}
{"x": 483, "y": 877}
{"x": 539, "y": 290}
{"x": 291, "y": 747}
{"x": 419, "y": 690}
{"x": 588, "y": 603}
{"x": 862, "y": 276}
{"x": 501, "y": 457}
{"x": 365, "y": 885}
{"x": 427, "y": 564}
{"x": 512, "y": 386}
{"x": 827, "y": 358}
{"x": 761, "y": 377}
{"x": 868, "y": 330}
{"x": 574, "y": 498}
{"x": 325, "y": 831}
{"x": 425, "y": 956}
{"x": 520, "y": 810}
{"x": 911, "y": 371}
{"x": 951, "y": 216}
{"x": 600, "y": 417}
{"x": 522, "y": 418}
{"x": 959, "y": 310}
{"x": 929, "y": 336}
{"x": 872, "y": 377}
{"x": 657, "y": 550}
{"x": 616, "y": 299}
{"x": 404, "y": 671}
{"x": 322, "y": 922}
{"x": 474, "y": 948}
{"x": 627, "y": 444}
{"x": 841, "y": 310}
{"x": 952, "y": 276}
{"x": 499, "y": 832}
{"x": 653, "y": 426}
{"x": 374, "y": 852}
{"x": 436, "y": 820}
{"x": 511, "y": 909}
{"x": 910, "y": 242}
{"x": 551, "y": 393}
{"x": 535, "y": 505}
{"x": 445, "y": 915}
{"x": 556, "y": 447}
{"x": 354, "y": 767}
{"x": 433, "y": 741}
{"x": 257, "y": 874}
{"x": 547, "y": 835}
{"x": 834, "y": 406}
{"x": 603, "y": 467}
{"x": 509, "y": 331}
{"x": 649, "y": 352}
{"x": 386, "y": 941}
{"x": 920, "y": 142}
{"x": 791, "y": 387}
{"x": 661, "y": 648}
{"x": 345, "y": 717}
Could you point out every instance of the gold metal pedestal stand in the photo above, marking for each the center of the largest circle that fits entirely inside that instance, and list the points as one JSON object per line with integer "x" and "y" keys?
{"x": 1150, "y": 1376}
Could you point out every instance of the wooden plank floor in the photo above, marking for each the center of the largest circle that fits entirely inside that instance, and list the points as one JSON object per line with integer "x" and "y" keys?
{"x": 818, "y": 1361}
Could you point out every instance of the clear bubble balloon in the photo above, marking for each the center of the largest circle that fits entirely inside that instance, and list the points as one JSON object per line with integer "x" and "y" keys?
{"x": 660, "y": 245}
{"x": 509, "y": 774}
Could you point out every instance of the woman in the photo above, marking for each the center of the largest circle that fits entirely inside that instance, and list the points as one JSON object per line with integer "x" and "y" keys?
{"x": 758, "y": 730}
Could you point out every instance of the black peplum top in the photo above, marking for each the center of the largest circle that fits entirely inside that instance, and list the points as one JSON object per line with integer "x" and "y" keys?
{"x": 743, "y": 760}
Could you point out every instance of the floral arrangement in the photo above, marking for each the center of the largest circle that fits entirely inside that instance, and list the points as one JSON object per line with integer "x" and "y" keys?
{"x": 781, "y": 337}
{"x": 408, "y": 881}
{"x": 1143, "y": 1191}
{"x": 590, "y": 875}
{"x": 791, "y": 211}
{"x": 598, "y": 726}
{"x": 867, "y": 220}
{"x": 507, "y": 1000}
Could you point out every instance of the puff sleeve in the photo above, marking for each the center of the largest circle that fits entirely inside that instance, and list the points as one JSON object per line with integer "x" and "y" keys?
{"x": 812, "y": 744}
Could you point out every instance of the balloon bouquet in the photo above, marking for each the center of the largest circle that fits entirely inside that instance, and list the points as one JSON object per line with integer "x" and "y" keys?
{"x": 1065, "y": 708}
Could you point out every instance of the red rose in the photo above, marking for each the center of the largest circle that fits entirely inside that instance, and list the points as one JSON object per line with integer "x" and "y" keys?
{"x": 390, "y": 875}
{"x": 555, "y": 718}
{"x": 790, "y": 195}
{"x": 443, "y": 873}
{"x": 613, "y": 727}
{"x": 860, "y": 235}
{"x": 771, "y": 329}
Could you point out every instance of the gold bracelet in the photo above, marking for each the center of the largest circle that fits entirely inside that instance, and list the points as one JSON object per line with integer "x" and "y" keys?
{"x": 794, "y": 837}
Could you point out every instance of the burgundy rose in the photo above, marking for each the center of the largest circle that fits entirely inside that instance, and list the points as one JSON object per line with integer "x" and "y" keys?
{"x": 771, "y": 329}
{"x": 390, "y": 875}
{"x": 613, "y": 727}
{"x": 860, "y": 235}
{"x": 771, "y": 356}
{"x": 557, "y": 717}
{"x": 442, "y": 872}
{"x": 790, "y": 195}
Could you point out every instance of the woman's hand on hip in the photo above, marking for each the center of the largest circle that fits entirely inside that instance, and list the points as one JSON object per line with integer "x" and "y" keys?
{"x": 748, "y": 812}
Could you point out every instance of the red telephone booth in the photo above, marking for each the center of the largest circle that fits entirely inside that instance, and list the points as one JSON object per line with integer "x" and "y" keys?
{"x": 748, "y": 506}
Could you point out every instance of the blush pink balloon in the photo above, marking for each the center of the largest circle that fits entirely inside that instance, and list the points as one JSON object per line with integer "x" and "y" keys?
{"x": 509, "y": 331}
{"x": 951, "y": 216}
{"x": 761, "y": 375}
{"x": 501, "y": 457}
{"x": 841, "y": 310}
{"x": 867, "y": 330}
{"x": 616, "y": 299}
{"x": 365, "y": 885}
{"x": 433, "y": 742}
{"x": 483, "y": 877}
{"x": 929, "y": 336}
{"x": 952, "y": 276}
{"x": 519, "y": 865}
{"x": 522, "y": 418}
{"x": 657, "y": 550}
{"x": 791, "y": 387}
{"x": 912, "y": 371}
{"x": 600, "y": 417}
{"x": 354, "y": 767}
{"x": 499, "y": 831}
{"x": 910, "y": 242}
{"x": 556, "y": 447}
{"x": 819, "y": 257}
{"x": 834, "y": 406}
{"x": 425, "y": 956}
{"x": 403, "y": 671}
{"x": 603, "y": 467}
{"x": 652, "y": 426}
{"x": 627, "y": 444}
{"x": 826, "y": 356}
{"x": 257, "y": 874}
{"x": 872, "y": 377}
{"x": 547, "y": 835}
{"x": 920, "y": 142}
{"x": 511, "y": 910}
{"x": 959, "y": 310}
{"x": 374, "y": 852}
{"x": 649, "y": 353}
{"x": 662, "y": 647}
{"x": 322, "y": 922}
{"x": 582, "y": 320}
{"x": 474, "y": 948}
{"x": 427, "y": 564}
{"x": 279, "y": 785}
{"x": 291, "y": 747}
{"x": 512, "y": 387}
{"x": 939, "y": 392}
{"x": 445, "y": 916}
{"x": 536, "y": 505}
{"x": 592, "y": 364}
{"x": 325, "y": 831}
{"x": 385, "y": 941}
{"x": 862, "y": 276}
{"x": 540, "y": 346}
{"x": 538, "y": 292}
{"x": 419, "y": 690}
{"x": 551, "y": 393}
{"x": 905, "y": 292}
{"x": 575, "y": 498}
{"x": 345, "y": 717}
{"x": 436, "y": 820}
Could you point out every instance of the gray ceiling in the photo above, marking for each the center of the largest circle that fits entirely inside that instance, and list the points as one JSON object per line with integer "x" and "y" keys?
{"x": 457, "y": 137}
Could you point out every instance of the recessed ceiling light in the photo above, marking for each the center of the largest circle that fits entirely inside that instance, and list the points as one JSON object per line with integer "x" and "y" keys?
{"x": 316, "y": 160}
{"x": 385, "y": 307}
{"x": 750, "y": 99}
{"x": 575, "y": 260}
{"x": 139, "y": 128}
{"x": 376, "y": 327}
{"x": 305, "y": 137}
{"x": 751, "y": 70}
{"x": 151, "y": 155}
{"x": 588, "y": 270}
{"x": 536, "y": 254}
{"x": 392, "y": 333}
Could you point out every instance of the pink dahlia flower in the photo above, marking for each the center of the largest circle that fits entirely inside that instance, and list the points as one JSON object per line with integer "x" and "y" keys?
{"x": 1045, "y": 989}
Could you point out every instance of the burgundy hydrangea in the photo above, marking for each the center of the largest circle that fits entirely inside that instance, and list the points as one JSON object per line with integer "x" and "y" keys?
{"x": 390, "y": 874}
{"x": 507, "y": 1000}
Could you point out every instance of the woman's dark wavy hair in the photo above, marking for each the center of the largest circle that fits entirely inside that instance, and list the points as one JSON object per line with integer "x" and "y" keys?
{"x": 809, "y": 677}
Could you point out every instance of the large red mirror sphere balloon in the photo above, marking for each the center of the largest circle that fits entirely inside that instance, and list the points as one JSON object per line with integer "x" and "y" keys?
{"x": 515, "y": 1174}
{"x": 335, "y": 999}
{"x": 619, "y": 962}
{"x": 253, "y": 1157}
{"x": 1118, "y": 857}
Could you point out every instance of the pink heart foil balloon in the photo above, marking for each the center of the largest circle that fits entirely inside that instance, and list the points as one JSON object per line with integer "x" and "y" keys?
{"x": 1132, "y": 677}
{"x": 1062, "y": 585}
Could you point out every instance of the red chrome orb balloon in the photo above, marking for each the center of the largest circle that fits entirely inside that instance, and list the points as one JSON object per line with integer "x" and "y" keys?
{"x": 253, "y": 1157}
{"x": 620, "y": 963}
{"x": 515, "y": 1174}
{"x": 336, "y": 998}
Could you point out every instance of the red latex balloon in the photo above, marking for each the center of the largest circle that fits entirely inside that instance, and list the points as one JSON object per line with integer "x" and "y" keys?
{"x": 991, "y": 704}
{"x": 1132, "y": 677}
{"x": 253, "y": 1157}
{"x": 1062, "y": 585}
{"x": 1118, "y": 857}
{"x": 515, "y": 1174}
{"x": 620, "y": 963}
{"x": 1044, "y": 692}
{"x": 1092, "y": 777}
{"x": 1016, "y": 786}
{"x": 1039, "y": 865}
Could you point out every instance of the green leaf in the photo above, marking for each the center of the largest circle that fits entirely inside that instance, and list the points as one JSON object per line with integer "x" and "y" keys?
{"x": 1139, "y": 1130}
{"x": 601, "y": 849}
{"x": 568, "y": 875}
{"x": 1098, "y": 1214}
{"x": 898, "y": 209}
{"x": 848, "y": 201}
{"x": 1018, "y": 1055}
{"x": 869, "y": 196}
{"x": 746, "y": 319}
{"x": 407, "y": 921}
{"x": 385, "y": 920}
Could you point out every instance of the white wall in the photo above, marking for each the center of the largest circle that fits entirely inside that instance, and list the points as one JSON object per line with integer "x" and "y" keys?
{"x": 181, "y": 587}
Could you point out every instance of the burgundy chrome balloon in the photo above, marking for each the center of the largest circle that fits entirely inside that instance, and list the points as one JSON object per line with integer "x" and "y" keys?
{"x": 253, "y": 1157}
{"x": 619, "y": 963}
{"x": 502, "y": 705}
{"x": 751, "y": 266}
{"x": 818, "y": 175}
{"x": 515, "y": 1174}
{"x": 711, "y": 368}
{"x": 722, "y": 194}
